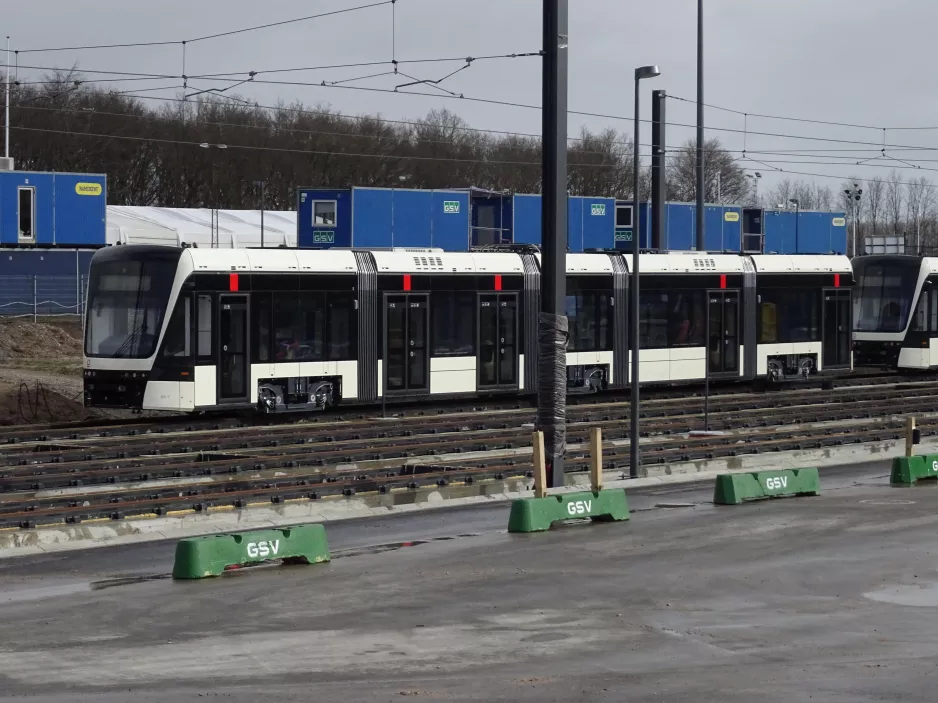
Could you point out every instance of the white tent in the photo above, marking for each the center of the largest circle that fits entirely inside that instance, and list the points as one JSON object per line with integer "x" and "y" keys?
{"x": 176, "y": 226}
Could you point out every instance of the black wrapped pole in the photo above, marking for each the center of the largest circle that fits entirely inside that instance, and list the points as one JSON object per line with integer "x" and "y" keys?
{"x": 658, "y": 169}
{"x": 552, "y": 322}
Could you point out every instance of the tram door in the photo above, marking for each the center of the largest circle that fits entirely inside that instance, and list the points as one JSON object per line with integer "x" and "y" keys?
{"x": 406, "y": 326}
{"x": 232, "y": 348}
{"x": 723, "y": 333}
{"x": 498, "y": 340}
{"x": 837, "y": 326}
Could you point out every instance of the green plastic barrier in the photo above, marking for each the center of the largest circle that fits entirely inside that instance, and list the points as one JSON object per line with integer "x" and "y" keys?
{"x": 907, "y": 470}
{"x": 538, "y": 514}
{"x": 200, "y": 557}
{"x": 733, "y": 489}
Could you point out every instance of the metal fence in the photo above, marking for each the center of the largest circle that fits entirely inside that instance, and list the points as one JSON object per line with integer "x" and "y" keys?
{"x": 32, "y": 296}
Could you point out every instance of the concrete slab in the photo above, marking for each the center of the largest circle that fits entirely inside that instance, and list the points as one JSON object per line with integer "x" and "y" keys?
{"x": 825, "y": 599}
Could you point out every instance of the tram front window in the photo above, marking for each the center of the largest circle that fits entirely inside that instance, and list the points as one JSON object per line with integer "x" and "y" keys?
{"x": 885, "y": 291}
{"x": 127, "y": 300}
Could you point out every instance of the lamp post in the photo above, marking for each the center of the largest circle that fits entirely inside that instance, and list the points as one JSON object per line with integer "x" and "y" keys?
{"x": 262, "y": 185}
{"x": 853, "y": 199}
{"x": 755, "y": 178}
{"x": 214, "y": 215}
{"x": 634, "y": 455}
{"x": 797, "y": 204}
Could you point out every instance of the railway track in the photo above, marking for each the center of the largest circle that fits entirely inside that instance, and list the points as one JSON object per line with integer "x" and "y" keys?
{"x": 54, "y": 431}
{"x": 75, "y": 477}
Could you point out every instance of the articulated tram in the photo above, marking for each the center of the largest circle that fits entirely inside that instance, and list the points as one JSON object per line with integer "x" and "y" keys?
{"x": 282, "y": 329}
{"x": 895, "y": 312}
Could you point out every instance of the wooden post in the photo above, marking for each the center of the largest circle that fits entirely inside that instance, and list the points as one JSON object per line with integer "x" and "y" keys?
{"x": 540, "y": 468}
{"x": 909, "y": 431}
{"x": 596, "y": 459}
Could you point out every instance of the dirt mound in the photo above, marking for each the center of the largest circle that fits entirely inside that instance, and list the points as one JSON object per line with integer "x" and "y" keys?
{"x": 28, "y": 403}
{"x": 25, "y": 339}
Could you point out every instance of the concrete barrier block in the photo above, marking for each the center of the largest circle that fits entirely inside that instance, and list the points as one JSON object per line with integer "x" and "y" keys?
{"x": 538, "y": 514}
{"x": 200, "y": 557}
{"x": 733, "y": 489}
{"x": 908, "y": 470}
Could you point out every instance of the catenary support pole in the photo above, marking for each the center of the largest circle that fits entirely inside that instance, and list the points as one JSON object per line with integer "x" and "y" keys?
{"x": 634, "y": 454}
{"x": 552, "y": 322}
{"x": 658, "y": 169}
{"x": 701, "y": 239}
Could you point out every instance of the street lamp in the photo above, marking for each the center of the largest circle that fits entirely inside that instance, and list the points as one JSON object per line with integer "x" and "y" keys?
{"x": 634, "y": 459}
{"x": 263, "y": 186}
{"x": 214, "y": 214}
{"x": 755, "y": 178}
{"x": 797, "y": 204}
{"x": 853, "y": 199}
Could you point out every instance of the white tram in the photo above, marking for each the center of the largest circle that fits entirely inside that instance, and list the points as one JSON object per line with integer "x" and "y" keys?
{"x": 286, "y": 329}
{"x": 895, "y": 312}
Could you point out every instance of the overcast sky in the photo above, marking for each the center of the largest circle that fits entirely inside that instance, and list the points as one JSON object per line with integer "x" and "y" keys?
{"x": 857, "y": 61}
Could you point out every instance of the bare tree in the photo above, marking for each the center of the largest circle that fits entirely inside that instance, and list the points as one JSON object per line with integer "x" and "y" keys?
{"x": 920, "y": 199}
{"x": 873, "y": 202}
{"x": 894, "y": 201}
{"x": 779, "y": 196}
{"x": 824, "y": 198}
{"x": 913, "y": 198}
{"x": 724, "y": 179}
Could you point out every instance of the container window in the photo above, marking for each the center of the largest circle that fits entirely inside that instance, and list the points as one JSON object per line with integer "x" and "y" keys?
{"x": 623, "y": 215}
{"x": 324, "y": 213}
{"x": 26, "y": 212}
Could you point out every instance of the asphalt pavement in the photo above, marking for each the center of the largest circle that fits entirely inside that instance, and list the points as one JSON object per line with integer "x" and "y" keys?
{"x": 829, "y": 598}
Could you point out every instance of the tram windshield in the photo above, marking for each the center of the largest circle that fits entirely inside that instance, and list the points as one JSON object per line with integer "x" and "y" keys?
{"x": 127, "y": 297}
{"x": 885, "y": 292}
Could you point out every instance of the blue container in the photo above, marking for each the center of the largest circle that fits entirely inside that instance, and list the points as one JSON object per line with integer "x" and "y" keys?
{"x": 526, "y": 219}
{"x": 722, "y": 228}
{"x": 491, "y": 217}
{"x": 52, "y": 209}
{"x": 380, "y": 218}
{"x": 45, "y": 262}
{"x": 319, "y": 234}
{"x": 44, "y": 281}
{"x": 806, "y": 232}
{"x": 590, "y": 221}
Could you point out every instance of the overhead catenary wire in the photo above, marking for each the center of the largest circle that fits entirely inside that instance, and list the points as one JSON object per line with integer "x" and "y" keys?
{"x": 380, "y": 137}
{"x": 809, "y": 120}
{"x": 407, "y": 157}
{"x": 206, "y": 37}
{"x": 508, "y": 103}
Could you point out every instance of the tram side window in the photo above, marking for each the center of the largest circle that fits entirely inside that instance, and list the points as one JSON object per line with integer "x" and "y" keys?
{"x": 452, "y": 323}
{"x": 178, "y": 341}
{"x": 204, "y": 321}
{"x": 671, "y": 319}
{"x": 342, "y": 333}
{"x": 287, "y": 332}
{"x": 926, "y": 313}
{"x": 589, "y": 321}
{"x": 933, "y": 294}
{"x": 686, "y": 319}
{"x": 788, "y": 316}
{"x": 260, "y": 326}
{"x": 653, "y": 320}
{"x": 315, "y": 327}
